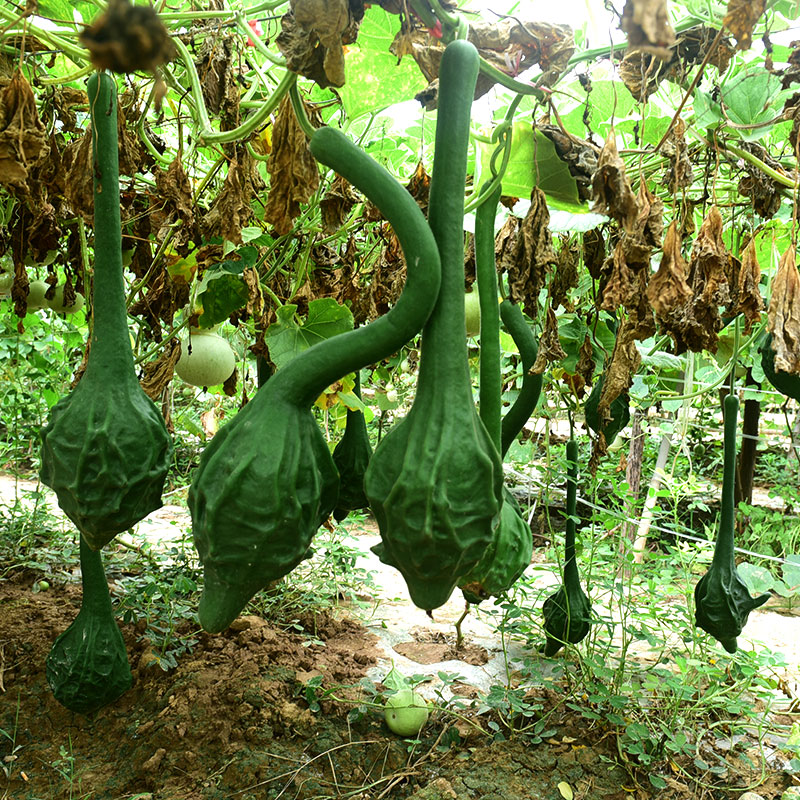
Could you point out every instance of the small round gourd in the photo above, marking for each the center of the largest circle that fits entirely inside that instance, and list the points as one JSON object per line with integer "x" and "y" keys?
{"x": 36, "y": 298}
{"x": 406, "y": 712}
{"x": 472, "y": 312}
{"x": 206, "y": 359}
{"x": 57, "y": 303}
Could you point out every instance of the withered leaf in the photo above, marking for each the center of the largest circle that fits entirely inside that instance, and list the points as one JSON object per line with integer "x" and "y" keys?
{"x": 419, "y": 187}
{"x": 763, "y": 190}
{"x": 550, "y": 349}
{"x": 619, "y": 285}
{"x": 294, "y": 175}
{"x": 611, "y": 189}
{"x": 748, "y": 295}
{"x": 646, "y": 231}
{"x": 594, "y": 252}
{"x": 668, "y": 290}
{"x": 618, "y": 375}
{"x": 218, "y": 74}
{"x": 531, "y": 255}
{"x": 784, "y": 314}
{"x": 335, "y": 206}
{"x": 585, "y": 366}
{"x": 23, "y": 136}
{"x": 680, "y": 173}
{"x": 579, "y": 155}
{"x": 565, "y": 276}
{"x": 708, "y": 270}
{"x": 158, "y": 374}
{"x": 312, "y": 37}
{"x": 642, "y": 73}
{"x": 172, "y": 203}
{"x": 648, "y": 27}
{"x": 740, "y": 19}
{"x": 128, "y": 38}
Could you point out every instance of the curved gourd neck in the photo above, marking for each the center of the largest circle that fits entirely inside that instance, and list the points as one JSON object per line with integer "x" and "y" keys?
{"x": 96, "y": 597}
{"x": 723, "y": 548}
{"x": 303, "y": 379}
{"x": 490, "y": 374}
{"x": 444, "y": 346}
{"x": 570, "y": 562}
{"x": 110, "y": 345}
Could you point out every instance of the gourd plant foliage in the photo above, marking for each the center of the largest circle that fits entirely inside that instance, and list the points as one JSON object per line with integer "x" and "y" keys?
{"x": 435, "y": 480}
{"x": 351, "y": 457}
{"x": 568, "y": 612}
{"x": 722, "y": 600}
{"x": 87, "y": 667}
{"x": 105, "y": 448}
{"x": 620, "y": 413}
{"x": 785, "y": 382}
{"x": 267, "y": 480}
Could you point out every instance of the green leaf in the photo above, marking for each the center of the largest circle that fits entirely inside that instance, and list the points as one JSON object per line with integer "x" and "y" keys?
{"x": 286, "y": 338}
{"x": 534, "y": 162}
{"x": 751, "y": 97}
{"x": 707, "y": 113}
{"x": 224, "y": 293}
{"x": 791, "y": 571}
{"x": 62, "y": 10}
{"x": 758, "y": 579}
{"x": 374, "y": 78}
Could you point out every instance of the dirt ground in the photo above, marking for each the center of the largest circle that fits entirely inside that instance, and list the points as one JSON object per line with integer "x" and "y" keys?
{"x": 233, "y": 720}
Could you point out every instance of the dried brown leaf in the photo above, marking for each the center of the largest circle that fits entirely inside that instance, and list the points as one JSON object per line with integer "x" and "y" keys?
{"x": 335, "y": 206}
{"x": 128, "y": 38}
{"x": 642, "y": 73}
{"x": 619, "y": 372}
{"x": 740, "y": 19}
{"x": 158, "y": 374}
{"x": 611, "y": 189}
{"x": 748, "y": 296}
{"x": 218, "y": 73}
{"x": 419, "y": 187}
{"x": 294, "y": 175}
{"x": 171, "y": 204}
{"x": 594, "y": 252}
{"x": 618, "y": 287}
{"x": 531, "y": 256}
{"x": 668, "y": 290}
{"x": 579, "y": 155}
{"x": 680, "y": 173}
{"x": 648, "y": 27}
{"x": 550, "y": 349}
{"x": 585, "y": 366}
{"x": 784, "y": 314}
{"x": 646, "y": 231}
{"x": 565, "y": 276}
{"x": 23, "y": 136}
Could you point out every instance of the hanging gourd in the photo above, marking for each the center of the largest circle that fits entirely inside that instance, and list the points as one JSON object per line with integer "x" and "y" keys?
{"x": 87, "y": 667}
{"x": 351, "y": 457}
{"x": 619, "y": 410}
{"x": 510, "y": 550}
{"x": 267, "y": 481}
{"x": 206, "y": 358}
{"x": 568, "y": 612}
{"x": 722, "y": 600}
{"x": 435, "y": 480}
{"x": 785, "y": 382}
{"x": 105, "y": 448}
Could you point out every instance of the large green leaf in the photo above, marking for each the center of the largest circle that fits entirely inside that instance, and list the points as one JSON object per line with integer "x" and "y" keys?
{"x": 286, "y": 338}
{"x": 534, "y": 162}
{"x": 751, "y": 98}
{"x": 63, "y": 10}
{"x": 374, "y": 78}
{"x": 224, "y": 294}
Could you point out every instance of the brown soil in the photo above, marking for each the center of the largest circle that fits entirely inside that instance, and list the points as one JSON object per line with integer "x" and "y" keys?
{"x": 234, "y": 720}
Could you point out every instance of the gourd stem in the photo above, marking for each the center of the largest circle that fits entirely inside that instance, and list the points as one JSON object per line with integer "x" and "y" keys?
{"x": 96, "y": 597}
{"x": 522, "y": 408}
{"x": 303, "y": 379}
{"x": 570, "y": 563}
{"x": 490, "y": 375}
{"x": 723, "y": 548}
{"x": 447, "y": 363}
{"x": 109, "y": 312}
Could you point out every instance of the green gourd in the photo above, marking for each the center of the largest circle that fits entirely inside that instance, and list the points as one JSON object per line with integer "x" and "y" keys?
{"x": 568, "y": 612}
{"x": 620, "y": 412}
{"x": 520, "y": 412}
{"x": 722, "y": 600}
{"x": 105, "y": 448}
{"x": 509, "y": 553}
{"x": 87, "y": 667}
{"x": 351, "y": 457}
{"x": 267, "y": 481}
{"x": 435, "y": 480}
{"x": 785, "y": 382}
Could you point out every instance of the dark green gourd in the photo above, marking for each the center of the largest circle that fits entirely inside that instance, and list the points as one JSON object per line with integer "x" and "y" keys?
{"x": 87, "y": 667}
{"x": 520, "y": 412}
{"x": 620, "y": 412}
{"x": 267, "y": 481}
{"x": 785, "y": 382}
{"x": 434, "y": 482}
{"x": 351, "y": 457}
{"x": 105, "y": 448}
{"x": 722, "y": 600}
{"x": 509, "y": 553}
{"x": 568, "y": 612}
